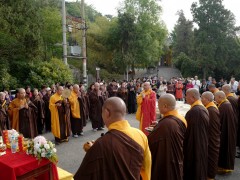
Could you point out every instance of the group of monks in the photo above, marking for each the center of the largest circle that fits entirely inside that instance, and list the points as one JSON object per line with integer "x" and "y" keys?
{"x": 194, "y": 147}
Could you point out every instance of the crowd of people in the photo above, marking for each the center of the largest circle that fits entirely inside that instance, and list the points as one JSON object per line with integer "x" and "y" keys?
{"x": 196, "y": 146}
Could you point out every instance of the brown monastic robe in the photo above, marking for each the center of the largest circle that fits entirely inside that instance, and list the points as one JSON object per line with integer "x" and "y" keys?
{"x": 39, "y": 103}
{"x": 123, "y": 94}
{"x": 113, "y": 156}
{"x": 195, "y": 146}
{"x": 28, "y": 121}
{"x": 234, "y": 102}
{"x": 166, "y": 146}
{"x": 4, "y": 120}
{"x": 228, "y": 136}
{"x": 213, "y": 141}
{"x": 96, "y": 103}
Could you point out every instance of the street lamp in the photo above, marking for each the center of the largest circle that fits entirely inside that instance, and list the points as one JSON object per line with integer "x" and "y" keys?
{"x": 97, "y": 70}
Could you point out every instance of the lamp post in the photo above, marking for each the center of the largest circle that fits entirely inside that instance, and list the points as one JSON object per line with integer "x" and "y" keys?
{"x": 97, "y": 75}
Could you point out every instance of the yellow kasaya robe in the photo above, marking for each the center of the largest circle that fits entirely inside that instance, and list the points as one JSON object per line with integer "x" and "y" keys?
{"x": 146, "y": 111}
{"x": 13, "y": 111}
{"x": 55, "y": 125}
{"x": 75, "y": 106}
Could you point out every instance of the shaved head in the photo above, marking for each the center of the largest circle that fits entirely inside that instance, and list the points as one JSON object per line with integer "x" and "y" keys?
{"x": 114, "y": 109}
{"x": 226, "y": 89}
{"x": 219, "y": 96}
{"x": 207, "y": 97}
{"x": 146, "y": 86}
{"x": 76, "y": 88}
{"x": 192, "y": 95}
{"x": 21, "y": 93}
{"x": 168, "y": 100}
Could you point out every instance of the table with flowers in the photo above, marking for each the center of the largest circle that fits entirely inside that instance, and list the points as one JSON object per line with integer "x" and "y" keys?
{"x": 36, "y": 160}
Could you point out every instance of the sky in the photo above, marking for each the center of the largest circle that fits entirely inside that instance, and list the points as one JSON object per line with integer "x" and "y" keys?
{"x": 170, "y": 8}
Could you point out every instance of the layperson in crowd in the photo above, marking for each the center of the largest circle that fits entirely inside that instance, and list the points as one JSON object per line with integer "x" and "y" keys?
{"x": 105, "y": 93}
{"x": 60, "y": 116}
{"x": 123, "y": 92}
{"x": 37, "y": 100}
{"x": 228, "y": 134}
{"x": 23, "y": 115}
{"x": 128, "y": 157}
{"x": 96, "y": 102}
{"x": 28, "y": 91}
{"x": 196, "y": 83}
{"x": 179, "y": 90}
{"x": 213, "y": 133}
{"x": 233, "y": 84}
{"x": 146, "y": 111}
{"x": 196, "y": 138}
{"x": 203, "y": 87}
{"x": 4, "y": 120}
{"x": 46, "y": 99}
{"x": 76, "y": 118}
{"x": 131, "y": 98}
{"x": 166, "y": 141}
{"x": 212, "y": 88}
{"x": 170, "y": 87}
{"x": 162, "y": 89}
{"x": 112, "y": 89}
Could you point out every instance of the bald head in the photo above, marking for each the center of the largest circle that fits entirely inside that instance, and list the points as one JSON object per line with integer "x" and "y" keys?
{"x": 21, "y": 93}
{"x": 166, "y": 103}
{"x": 76, "y": 88}
{"x": 207, "y": 97}
{"x": 192, "y": 95}
{"x": 226, "y": 89}
{"x": 59, "y": 90}
{"x": 146, "y": 86}
{"x": 113, "y": 110}
{"x": 219, "y": 96}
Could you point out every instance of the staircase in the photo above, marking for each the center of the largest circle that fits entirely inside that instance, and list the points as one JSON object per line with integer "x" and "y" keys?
{"x": 166, "y": 72}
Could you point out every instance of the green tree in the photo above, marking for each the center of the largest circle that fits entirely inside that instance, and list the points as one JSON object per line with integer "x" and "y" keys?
{"x": 215, "y": 25}
{"x": 182, "y": 36}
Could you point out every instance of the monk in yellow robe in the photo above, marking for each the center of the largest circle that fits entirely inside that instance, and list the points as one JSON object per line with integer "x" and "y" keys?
{"x": 76, "y": 120}
{"x": 146, "y": 112}
{"x": 60, "y": 116}
{"x": 23, "y": 115}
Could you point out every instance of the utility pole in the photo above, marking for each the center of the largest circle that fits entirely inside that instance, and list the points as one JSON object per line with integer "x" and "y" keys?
{"x": 84, "y": 51}
{"x": 64, "y": 33}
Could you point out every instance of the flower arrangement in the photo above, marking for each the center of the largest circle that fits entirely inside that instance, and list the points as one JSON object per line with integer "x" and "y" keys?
{"x": 12, "y": 134}
{"x": 41, "y": 148}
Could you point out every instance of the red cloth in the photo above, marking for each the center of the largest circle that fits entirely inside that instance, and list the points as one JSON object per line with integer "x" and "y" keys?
{"x": 17, "y": 164}
{"x": 148, "y": 110}
{"x": 179, "y": 90}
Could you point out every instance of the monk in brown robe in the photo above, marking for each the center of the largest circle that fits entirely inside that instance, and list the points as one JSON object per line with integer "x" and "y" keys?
{"x": 76, "y": 118}
{"x": 46, "y": 99}
{"x": 96, "y": 101}
{"x": 4, "y": 120}
{"x": 112, "y": 89}
{"x": 23, "y": 115}
{"x": 37, "y": 100}
{"x": 213, "y": 133}
{"x": 166, "y": 141}
{"x": 228, "y": 134}
{"x": 123, "y": 93}
{"x": 212, "y": 88}
{"x": 60, "y": 116}
{"x": 121, "y": 154}
{"x": 195, "y": 146}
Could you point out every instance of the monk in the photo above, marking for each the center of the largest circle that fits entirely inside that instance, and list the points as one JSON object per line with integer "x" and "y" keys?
{"x": 60, "y": 116}
{"x": 4, "y": 120}
{"x": 122, "y": 153}
{"x": 23, "y": 115}
{"x": 39, "y": 103}
{"x": 195, "y": 146}
{"x": 166, "y": 141}
{"x": 146, "y": 112}
{"x": 212, "y": 88}
{"x": 96, "y": 101}
{"x": 46, "y": 99}
{"x": 213, "y": 133}
{"x": 76, "y": 118}
{"x": 228, "y": 134}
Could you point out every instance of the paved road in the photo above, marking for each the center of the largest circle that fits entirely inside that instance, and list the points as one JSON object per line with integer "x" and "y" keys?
{"x": 71, "y": 154}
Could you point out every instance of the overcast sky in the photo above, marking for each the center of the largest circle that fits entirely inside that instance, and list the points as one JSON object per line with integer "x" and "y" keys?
{"x": 170, "y": 8}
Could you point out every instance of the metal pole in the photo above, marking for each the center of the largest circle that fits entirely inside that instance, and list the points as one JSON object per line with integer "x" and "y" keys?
{"x": 84, "y": 52}
{"x": 64, "y": 32}
{"x": 127, "y": 72}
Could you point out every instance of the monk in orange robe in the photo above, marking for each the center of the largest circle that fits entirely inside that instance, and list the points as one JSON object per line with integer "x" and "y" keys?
{"x": 23, "y": 115}
{"x": 60, "y": 116}
{"x": 146, "y": 112}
